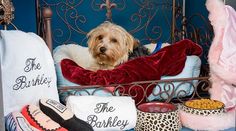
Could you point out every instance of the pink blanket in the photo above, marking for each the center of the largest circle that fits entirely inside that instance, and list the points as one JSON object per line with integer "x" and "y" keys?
{"x": 222, "y": 54}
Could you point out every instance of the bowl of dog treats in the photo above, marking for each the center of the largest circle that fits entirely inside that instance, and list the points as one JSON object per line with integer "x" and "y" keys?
{"x": 204, "y": 107}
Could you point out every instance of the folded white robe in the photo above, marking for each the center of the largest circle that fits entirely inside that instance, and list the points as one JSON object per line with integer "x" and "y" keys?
{"x": 28, "y": 72}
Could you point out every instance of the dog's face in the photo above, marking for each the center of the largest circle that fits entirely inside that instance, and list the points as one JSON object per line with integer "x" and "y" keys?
{"x": 110, "y": 44}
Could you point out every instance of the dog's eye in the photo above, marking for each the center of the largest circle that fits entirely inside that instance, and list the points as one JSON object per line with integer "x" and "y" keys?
{"x": 99, "y": 37}
{"x": 113, "y": 40}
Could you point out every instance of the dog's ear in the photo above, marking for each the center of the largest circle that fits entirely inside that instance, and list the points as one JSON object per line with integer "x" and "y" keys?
{"x": 90, "y": 33}
{"x": 90, "y": 36}
{"x": 131, "y": 42}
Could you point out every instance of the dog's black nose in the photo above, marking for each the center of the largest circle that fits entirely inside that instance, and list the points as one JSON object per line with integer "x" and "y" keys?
{"x": 103, "y": 49}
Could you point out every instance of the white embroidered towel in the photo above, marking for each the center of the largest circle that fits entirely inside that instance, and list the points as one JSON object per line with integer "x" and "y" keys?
{"x": 112, "y": 113}
{"x": 28, "y": 72}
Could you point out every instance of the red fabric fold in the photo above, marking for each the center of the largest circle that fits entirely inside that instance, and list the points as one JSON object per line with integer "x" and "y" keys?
{"x": 168, "y": 61}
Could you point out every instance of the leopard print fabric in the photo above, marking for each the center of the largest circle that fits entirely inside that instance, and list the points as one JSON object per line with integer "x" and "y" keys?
{"x": 158, "y": 121}
{"x": 201, "y": 111}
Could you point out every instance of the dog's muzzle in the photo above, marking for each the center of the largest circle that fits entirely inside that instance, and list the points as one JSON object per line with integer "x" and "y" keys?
{"x": 103, "y": 49}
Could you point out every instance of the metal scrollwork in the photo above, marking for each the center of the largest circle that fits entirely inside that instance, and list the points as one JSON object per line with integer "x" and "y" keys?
{"x": 148, "y": 18}
{"x": 69, "y": 19}
{"x": 6, "y": 12}
{"x": 172, "y": 90}
{"x": 149, "y": 21}
{"x": 195, "y": 27}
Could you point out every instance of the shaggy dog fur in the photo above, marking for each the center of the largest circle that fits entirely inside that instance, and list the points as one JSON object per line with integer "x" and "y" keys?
{"x": 109, "y": 45}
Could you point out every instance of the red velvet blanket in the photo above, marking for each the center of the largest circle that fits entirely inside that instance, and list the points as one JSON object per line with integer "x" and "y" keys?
{"x": 168, "y": 61}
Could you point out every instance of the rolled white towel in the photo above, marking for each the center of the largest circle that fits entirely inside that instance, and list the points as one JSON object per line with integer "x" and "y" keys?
{"x": 105, "y": 113}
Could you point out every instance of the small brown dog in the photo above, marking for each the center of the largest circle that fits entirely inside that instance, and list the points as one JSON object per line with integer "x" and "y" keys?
{"x": 109, "y": 45}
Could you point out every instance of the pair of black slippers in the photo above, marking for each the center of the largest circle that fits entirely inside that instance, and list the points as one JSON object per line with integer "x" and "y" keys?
{"x": 63, "y": 116}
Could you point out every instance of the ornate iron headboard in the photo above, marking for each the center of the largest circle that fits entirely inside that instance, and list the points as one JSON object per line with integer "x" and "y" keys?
{"x": 147, "y": 20}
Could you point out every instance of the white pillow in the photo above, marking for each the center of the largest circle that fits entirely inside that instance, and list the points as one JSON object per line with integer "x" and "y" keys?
{"x": 28, "y": 72}
{"x": 112, "y": 113}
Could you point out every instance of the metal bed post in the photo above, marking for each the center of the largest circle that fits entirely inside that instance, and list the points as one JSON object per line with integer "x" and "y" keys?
{"x": 47, "y": 15}
{"x": 173, "y": 22}
{"x": 38, "y": 17}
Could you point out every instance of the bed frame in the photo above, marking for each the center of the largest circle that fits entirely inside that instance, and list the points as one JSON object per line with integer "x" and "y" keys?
{"x": 200, "y": 89}
{"x": 44, "y": 16}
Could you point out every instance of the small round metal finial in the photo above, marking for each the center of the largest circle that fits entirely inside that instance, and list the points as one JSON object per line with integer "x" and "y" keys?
{"x": 6, "y": 12}
{"x": 47, "y": 12}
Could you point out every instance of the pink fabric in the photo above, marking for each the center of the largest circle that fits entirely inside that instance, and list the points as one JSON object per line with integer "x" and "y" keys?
{"x": 222, "y": 53}
{"x": 212, "y": 123}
